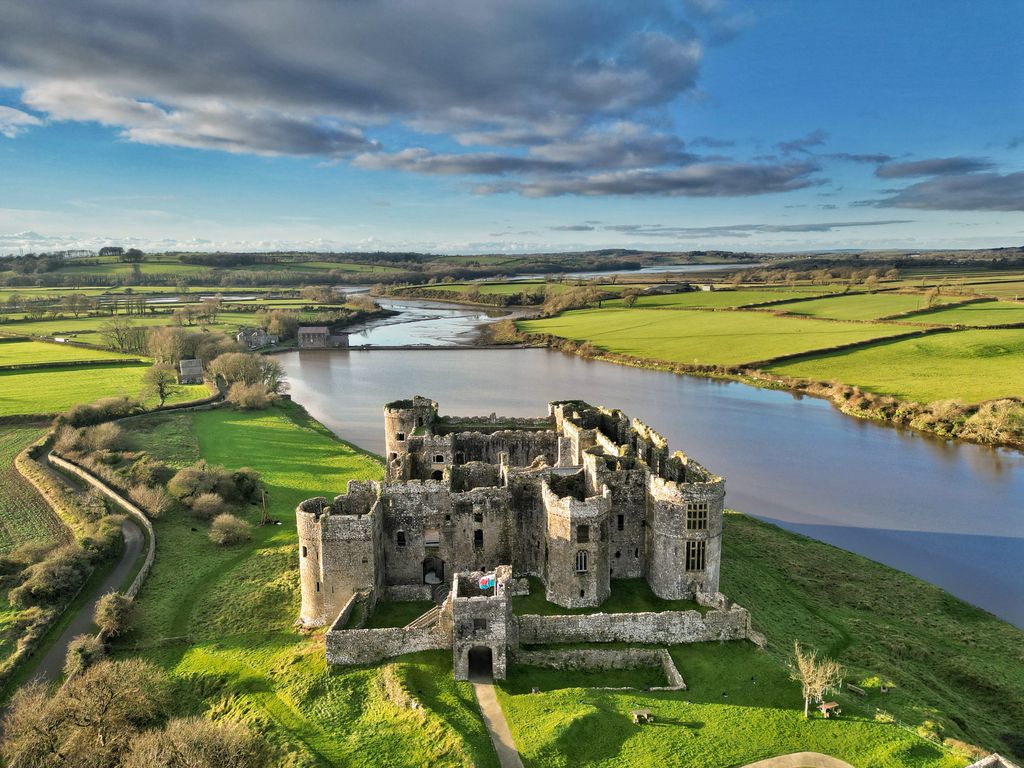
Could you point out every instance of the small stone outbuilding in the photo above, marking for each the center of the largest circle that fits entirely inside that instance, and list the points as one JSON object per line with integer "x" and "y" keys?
{"x": 190, "y": 372}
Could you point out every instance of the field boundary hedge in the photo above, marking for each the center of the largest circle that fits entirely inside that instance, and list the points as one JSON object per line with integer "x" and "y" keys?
{"x": 926, "y": 331}
{"x": 72, "y": 364}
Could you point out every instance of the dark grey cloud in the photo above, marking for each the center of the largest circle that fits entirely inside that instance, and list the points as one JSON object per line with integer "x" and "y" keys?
{"x": 573, "y": 228}
{"x": 967, "y": 192}
{"x": 712, "y": 142}
{"x": 936, "y": 166}
{"x": 803, "y": 145}
{"x": 458, "y": 66}
{"x": 695, "y": 180}
{"x": 744, "y": 230}
{"x": 866, "y": 158}
{"x": 421, "y": 160}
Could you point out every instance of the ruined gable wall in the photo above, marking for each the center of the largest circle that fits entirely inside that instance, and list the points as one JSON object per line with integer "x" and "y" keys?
{"x": 667, "y": 627}
{"x": 522, "y": 447}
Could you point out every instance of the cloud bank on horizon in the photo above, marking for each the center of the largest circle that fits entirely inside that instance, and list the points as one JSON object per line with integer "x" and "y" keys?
{"x": 579, "y": 99}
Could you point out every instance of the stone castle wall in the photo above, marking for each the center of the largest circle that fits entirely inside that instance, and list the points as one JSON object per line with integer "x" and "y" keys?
{"x": 601, "y": 658}
{"x": 665, "y": 628}
{"x": 370, "y": 646}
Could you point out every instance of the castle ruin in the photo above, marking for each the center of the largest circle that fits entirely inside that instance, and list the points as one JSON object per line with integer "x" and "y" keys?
{"x": 578, "y": 499}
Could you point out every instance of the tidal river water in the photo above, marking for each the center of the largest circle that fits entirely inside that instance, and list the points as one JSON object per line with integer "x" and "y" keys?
{"x": 951, "y": 514}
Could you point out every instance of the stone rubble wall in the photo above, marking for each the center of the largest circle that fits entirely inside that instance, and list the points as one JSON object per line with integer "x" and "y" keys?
{"x": 369, "y": 646}
{"x": 599, "y": 658}
{"x": 665, "y": 628}
{"x": 407, "y": 593}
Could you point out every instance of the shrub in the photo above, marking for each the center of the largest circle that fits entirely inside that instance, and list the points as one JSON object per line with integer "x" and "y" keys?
{"x": 53, "y": 580}
{"x": 249, "y": 397}
{"x": 106, "y": 437}
{"x": 69, "y": 440}
{"x": 102, "y": 410}
{"x": 248, "y": 484}
{"x": 228, "y": 529}
{"x": 113, "y": 614}
{"x": 198, "y": 743}
{"x": 248, "y": 368}
{"x": 201, "y": 478}
{"x": 207, "y": 505}
{"x": 83, "y": 652}
{"x": 103, "y": 539}
{"x": 149, "y": 471}
{"x": 155, "y": 501}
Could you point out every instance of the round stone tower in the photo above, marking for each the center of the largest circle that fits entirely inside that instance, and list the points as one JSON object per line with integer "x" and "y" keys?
{"x": 402, "y": 420}
{"x": 308, "y": 519}
{"x": 684, "y": 537}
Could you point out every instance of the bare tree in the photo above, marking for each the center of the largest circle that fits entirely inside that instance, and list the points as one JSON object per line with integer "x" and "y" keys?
{"x": 817, "y": 675}
{"x": 160, "y": 380}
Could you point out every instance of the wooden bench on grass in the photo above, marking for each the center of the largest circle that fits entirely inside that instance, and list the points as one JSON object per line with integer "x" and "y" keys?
{"x": 856, "y": 689}
{"x": 830, "y": 709}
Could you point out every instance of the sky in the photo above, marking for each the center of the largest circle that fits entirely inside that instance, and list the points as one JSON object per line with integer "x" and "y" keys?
{"x": 505, "y": 126}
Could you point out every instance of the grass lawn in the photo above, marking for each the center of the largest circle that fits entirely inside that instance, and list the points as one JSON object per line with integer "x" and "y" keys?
{"x": 981, "y": 313}
{"x": 740, "y": 707}
{"x": 238, "y": 606}
{"x": 863, "y": 306}
{"x": 719, "y": 299}
{"x": 971, "y": 365}
{"x": 54, "y": 390}
{"x": 948, "y": 661}
{"x": 21, "y": 352}
{"x": 392, "y": 613}
{"x": 1006, "y": 289}
{"x": 704, "y": 338}
{"x": 628, "y": 596}
{"x": 24, "y": 516}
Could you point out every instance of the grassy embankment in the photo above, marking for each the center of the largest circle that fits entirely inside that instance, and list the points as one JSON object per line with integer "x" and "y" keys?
{"x": 947, "y": 664}
{"x": 243, "y": 657}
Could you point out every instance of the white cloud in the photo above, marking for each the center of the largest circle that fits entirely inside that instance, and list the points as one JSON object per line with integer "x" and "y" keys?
{"x": 14, "y": 122}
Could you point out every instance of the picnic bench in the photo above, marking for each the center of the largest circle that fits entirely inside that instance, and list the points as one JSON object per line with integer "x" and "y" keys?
{"x": 642, "y": 716}
{"x": 830, "y": 709}
{"x": 856, "y": 689}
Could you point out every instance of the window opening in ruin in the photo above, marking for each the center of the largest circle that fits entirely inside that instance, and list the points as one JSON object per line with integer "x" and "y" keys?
{"x": 318, "y": 586}
{"x": 478, "y": 517}
{"x": 431, "y": 537}
{"x": 618, "y": 554}
{"x": 695, "y": 551}
{"x": 478, "y": 538}
{"x": 697, "y": 516}
{"x": 636, "y": 553}
{"x": 437, "y": 474}
{"x": 581, "y": 562}
{"x": 419, "y": 421}
{"x": 304, "y": 550}
{"x": 479, "y": 625}
{"x": 620, "y": 522}
{"x": 460, "y": 457}
{"x": 604, "y": 531}
{"x": 583, "y": 593}
{"x": 392, "y": 456}
{"x": 583, "y": 534}
{"x": 439, "y": 458}
{"x": 400, "y": 538}
{"x": 400, "y": 437}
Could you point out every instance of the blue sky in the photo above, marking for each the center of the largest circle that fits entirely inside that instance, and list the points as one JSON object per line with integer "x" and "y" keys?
{"x": 468, "y": 126}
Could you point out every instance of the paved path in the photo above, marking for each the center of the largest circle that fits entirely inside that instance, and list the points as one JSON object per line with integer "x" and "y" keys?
{"x": 51, "y": 666}
{"x": 800, "y": 760}
{"x": 497, "y": 726}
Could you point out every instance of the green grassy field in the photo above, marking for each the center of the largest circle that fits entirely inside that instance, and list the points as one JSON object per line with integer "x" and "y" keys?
{"x": 703, "y": 338}
{"x": 727, "y": 298}
{"x": 24, "y": 516}
{"x": 740, "y": 706}
{"x": 530, "y": 286}
{"x": 1004, "y": 289}
{"x": 864, "y": 306}
{"x": 628, "y": 595}
{"x": 53, "y": 390}
{"x": 389, "y": 613}
{"x": 971, "y": 365}
{"x": 978, "y": 314}
{"x": 20, "y": 352}
{"x": 238, "y": 606}
{"x": 946, "y": 660}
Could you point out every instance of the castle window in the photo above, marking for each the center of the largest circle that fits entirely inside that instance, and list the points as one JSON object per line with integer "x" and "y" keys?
{"x": 392, "y": 456}
{"x": 695, "y": 555}
{"x": 460, "y": 457}
{"x": 304, "y": 550}
{"x": 478, "y": 517}
{"x": 400, "y": 437}
{"x": 431, "y": 537}
{"x": 419, "y": 421}
{"x": 618, "y": 554}
{"x": 697, "y": 516}
{"x": 583, "y": 534}
{"x": 318, "y": 586}
{"x": 479, "y": 625}
{"x": 620, "y": 522}
{"x": 583, "y": 593}
{"x": 400, "y": 538}
{"x": 636, "y": 552}
{"x": 478, "y": 538}
{"x": 581, "y": 562}
{"x": 439, "y": 458}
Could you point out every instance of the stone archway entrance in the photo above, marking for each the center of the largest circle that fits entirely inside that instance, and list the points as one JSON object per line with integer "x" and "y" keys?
{"x": 437, "y": 474}
{"x": 481, "y": 663}
{"x": 433, "y": 570}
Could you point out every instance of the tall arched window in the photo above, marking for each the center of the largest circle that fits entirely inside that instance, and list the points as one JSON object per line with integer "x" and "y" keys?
{"x": 581, "y": 561}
